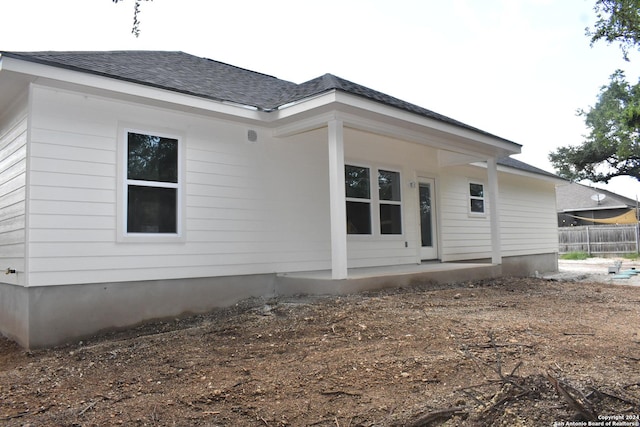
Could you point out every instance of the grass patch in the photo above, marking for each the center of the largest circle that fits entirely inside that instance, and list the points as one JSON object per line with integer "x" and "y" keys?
{"x": 575, "y": 255}
{"x": 631, "y": 256}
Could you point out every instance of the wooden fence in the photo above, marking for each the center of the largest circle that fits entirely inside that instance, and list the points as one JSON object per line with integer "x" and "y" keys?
{"x": 599, "y": 239}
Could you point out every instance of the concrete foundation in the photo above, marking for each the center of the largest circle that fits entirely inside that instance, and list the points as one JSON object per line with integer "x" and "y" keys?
{"x": 45, "y": 316}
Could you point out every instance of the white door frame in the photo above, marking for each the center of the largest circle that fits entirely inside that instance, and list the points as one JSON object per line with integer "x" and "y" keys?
{"x": 429, "y": 252}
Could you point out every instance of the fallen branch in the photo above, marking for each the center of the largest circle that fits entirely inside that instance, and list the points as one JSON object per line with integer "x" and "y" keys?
{"x": 505, "y": 399}
{"x": 430, "y": 417}
{"x": 513, "y": 371}
{"x": 89, "y": 406}
{"x": 590, "y": 334}
{"x": 25, "y": 413}
{"x": 513, "y": 344}
{"x": 613, "y": 396}
{"x": 333, "y": 392}
{"x": 572, "y": 401}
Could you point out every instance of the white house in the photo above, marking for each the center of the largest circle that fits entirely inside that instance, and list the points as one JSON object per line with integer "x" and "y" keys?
{"x": 142, "y": 185}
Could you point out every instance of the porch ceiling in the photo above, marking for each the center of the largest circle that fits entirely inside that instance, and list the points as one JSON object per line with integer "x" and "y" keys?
{"x": 362, "y": 114}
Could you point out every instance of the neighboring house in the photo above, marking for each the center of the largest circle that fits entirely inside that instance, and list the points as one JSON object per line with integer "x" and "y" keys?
{"x": 142, "y": 185}
{"x": 579, "y": 204}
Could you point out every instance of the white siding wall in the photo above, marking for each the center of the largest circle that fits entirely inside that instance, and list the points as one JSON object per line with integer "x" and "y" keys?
{"x": 527, "y": 207}
{"x": 463, "y": 236}
{"x": 13, "y": 155}
{"x": 528, "y": 220}
{"x": 250, "y": 207}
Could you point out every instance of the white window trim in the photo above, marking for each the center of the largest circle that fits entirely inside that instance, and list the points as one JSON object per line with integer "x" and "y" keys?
{"x": 361, "y": 200}
{"x": 482, "y": 214}
{"x": 374, "y": 202}
{"x": 380, "y": 202}
{"x": 123, "y": 183}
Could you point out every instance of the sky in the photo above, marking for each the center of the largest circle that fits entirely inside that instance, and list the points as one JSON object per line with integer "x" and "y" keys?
{"x": 519, "y": 69}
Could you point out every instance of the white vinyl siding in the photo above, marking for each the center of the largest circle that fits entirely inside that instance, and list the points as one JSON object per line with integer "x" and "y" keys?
{"x": 13, "y": 155}
{"x": 251, "y": 208}
{"x": 528, "y": 223}
{"x": 463, "y": 236}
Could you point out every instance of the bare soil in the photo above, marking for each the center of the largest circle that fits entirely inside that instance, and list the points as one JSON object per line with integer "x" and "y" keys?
{"x": 529, "y": 352}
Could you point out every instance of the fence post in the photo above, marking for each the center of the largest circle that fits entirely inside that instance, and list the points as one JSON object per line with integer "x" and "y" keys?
{"x": 588, "y": 241}
{"x": 637, "y": 234}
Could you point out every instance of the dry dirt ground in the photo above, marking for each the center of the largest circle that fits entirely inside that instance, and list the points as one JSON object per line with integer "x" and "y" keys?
{"x": 530, "y": 352}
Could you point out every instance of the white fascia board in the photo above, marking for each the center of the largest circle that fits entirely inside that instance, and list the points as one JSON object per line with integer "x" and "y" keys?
{"x": 516, "y": 171}
{"x": 130, "y": 89}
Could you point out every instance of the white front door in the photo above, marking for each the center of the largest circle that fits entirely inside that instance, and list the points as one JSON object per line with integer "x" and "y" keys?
{"x": 428, "y": 228}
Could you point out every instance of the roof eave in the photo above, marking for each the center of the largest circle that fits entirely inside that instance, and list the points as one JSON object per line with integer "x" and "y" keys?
{"x": 39, "y": 70}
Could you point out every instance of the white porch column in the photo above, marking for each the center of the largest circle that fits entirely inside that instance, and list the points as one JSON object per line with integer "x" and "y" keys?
{"x": 337, "y": 200}
{"x": 492, "y": 176}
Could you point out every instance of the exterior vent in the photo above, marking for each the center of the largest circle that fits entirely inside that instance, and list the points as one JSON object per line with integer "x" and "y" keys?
{"x": 252, "y": 135}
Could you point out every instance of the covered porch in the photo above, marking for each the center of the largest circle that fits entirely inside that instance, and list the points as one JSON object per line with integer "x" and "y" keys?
{"x": 417, "y": 153}
{"x": 374, "y": 278}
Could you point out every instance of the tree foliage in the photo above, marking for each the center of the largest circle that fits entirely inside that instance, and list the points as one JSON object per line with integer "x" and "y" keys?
{"x": 135, "y": 30}
{"x": 617, "y": 21}
{"x": 612, "y": 147}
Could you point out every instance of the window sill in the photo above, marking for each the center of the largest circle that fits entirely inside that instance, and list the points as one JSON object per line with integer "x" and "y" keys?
{"x": 151, "y": 238}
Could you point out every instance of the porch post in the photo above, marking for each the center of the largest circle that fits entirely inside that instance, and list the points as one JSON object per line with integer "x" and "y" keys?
{"x": 337, "y": 200}
{"x": 492, "y": 176}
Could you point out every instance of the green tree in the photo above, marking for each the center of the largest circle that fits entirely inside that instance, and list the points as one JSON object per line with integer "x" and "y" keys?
{"x": 617, "y": 21}
{"x": 135, "y": 30}
{"x": 612, "y": 147}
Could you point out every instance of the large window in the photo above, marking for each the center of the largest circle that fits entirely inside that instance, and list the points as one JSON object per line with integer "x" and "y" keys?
{"x": 390, "y": 202}
{"x": 476, "y": 198}
{"x": 358, "y": 192}
{"x": 361, "y": 197}
{"x": 152, "y": 184}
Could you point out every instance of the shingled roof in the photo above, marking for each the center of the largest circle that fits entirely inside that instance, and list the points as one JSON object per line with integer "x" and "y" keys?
{"x": 578, "y": 197}
{"x": 206, "y": 78}
{"x": 517, "y": 164}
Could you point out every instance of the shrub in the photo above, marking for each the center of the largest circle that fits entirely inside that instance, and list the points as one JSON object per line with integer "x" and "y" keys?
{"x": 575, "y": 255}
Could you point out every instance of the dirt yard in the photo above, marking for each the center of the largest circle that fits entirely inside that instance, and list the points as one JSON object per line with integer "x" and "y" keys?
{"x": 512, "y": 352}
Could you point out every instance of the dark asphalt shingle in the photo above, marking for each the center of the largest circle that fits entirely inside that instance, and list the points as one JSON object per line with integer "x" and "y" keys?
{"x": 575, "y": 197}
{"x": 517, "y": 164}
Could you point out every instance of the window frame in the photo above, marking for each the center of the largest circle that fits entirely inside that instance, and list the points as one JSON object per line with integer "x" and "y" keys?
{"x": 123, "y": 235}
{"x": 375, "y": 202}
{"x": 368, "y": 201}
{"x": 389, "y": 202}
{"x": 482, "y": 198}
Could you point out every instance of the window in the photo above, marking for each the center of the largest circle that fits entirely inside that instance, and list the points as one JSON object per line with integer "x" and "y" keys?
{"x": 151, "y": 184}
{"x": 361, "y": 197}
{"x": 476, "y": 198}
{"x": 358, "y": 192}
{"x": 390, "y": 202}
